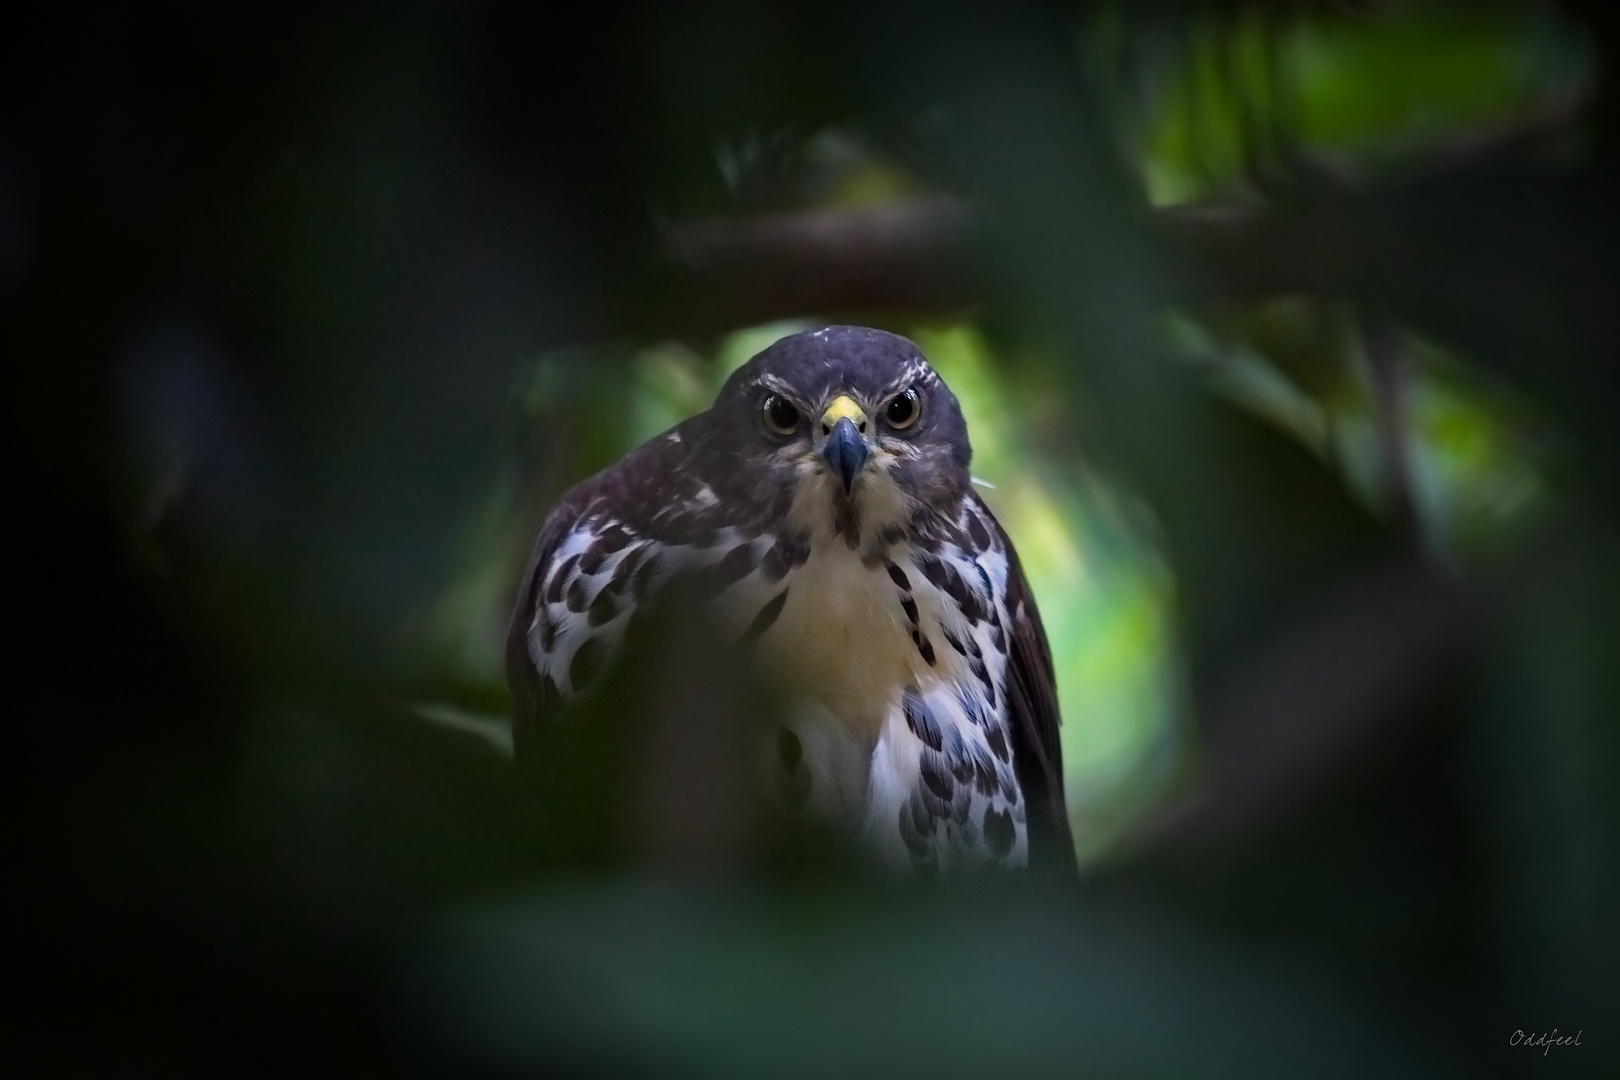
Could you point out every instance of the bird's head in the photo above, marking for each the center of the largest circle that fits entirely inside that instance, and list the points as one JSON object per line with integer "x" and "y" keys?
{"x": 842, "y": 426}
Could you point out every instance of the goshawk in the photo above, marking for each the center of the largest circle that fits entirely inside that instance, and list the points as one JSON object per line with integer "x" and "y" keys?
{"x": 825, "y": 502}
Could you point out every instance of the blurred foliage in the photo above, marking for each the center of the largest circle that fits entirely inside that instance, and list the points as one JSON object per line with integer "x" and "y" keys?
{"x": 1225, "y": 101}
{"x": 660, "y": 977}
{"x": 1475, "y": 456}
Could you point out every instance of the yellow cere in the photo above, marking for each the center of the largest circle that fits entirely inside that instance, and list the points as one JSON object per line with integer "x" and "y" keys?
{"x": 843, "y": 405}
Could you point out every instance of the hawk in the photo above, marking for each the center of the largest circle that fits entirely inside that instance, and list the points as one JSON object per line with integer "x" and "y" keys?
{"x": 824, "y": 499}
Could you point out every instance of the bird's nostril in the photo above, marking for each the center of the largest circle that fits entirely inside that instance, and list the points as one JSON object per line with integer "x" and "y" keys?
{"x": 826, "y": 430}
{"x": 862, "y": 428}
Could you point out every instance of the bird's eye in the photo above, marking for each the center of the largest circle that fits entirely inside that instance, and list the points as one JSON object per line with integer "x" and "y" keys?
{"x": 904, "y": 409}
{"x": 781, "y": 417}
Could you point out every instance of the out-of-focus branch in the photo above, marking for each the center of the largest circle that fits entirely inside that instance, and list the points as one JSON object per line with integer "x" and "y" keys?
{"x": 1316, "y": 233}
{"x": 907, "y": 255}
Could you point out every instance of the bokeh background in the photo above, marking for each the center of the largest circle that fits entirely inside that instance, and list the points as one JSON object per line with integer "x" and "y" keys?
{"x": 1289, "y": 341}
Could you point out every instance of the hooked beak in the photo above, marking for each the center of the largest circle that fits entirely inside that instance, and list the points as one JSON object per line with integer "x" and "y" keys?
{"x": 845, "y": 451}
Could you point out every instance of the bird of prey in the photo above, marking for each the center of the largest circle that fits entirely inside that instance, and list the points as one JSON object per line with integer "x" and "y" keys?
{"x": 825, "y": 501}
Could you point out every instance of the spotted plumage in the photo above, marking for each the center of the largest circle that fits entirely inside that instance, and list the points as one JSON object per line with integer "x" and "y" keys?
{"x": 822, "y": 508}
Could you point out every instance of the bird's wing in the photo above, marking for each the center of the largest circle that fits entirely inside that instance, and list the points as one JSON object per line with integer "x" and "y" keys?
{"x": 534, "y": 697}
{"x": 1033, "y": 719}
{"x": 594, "y": 560}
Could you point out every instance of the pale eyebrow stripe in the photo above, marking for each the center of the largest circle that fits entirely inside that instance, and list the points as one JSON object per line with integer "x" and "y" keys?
{"x": 914, "y": 373}
{"x": 777, "y": 386}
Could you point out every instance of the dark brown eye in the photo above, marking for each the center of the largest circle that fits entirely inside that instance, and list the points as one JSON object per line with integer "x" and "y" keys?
{"x": 781, "y": 417}
{"x": 904, "y": 409}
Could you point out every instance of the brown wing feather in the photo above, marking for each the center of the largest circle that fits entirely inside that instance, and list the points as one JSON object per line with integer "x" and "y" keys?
{"x": 1033, "y": 719}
